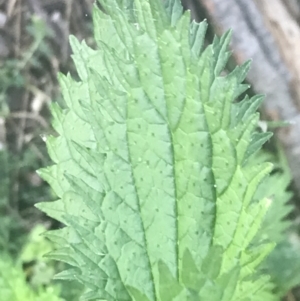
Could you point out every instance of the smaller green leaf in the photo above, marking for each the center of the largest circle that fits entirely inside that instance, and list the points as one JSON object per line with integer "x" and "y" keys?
{"x": 230, "y": 281}
{"x": 135, "y": 294}
{"x": 191, "y": 276}
{"x": 169, "y": 288}
{"x": 283, "y": 264}
{"x": 212, "y": 263}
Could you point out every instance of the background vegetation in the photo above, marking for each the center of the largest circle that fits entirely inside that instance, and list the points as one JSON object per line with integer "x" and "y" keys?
{"x": 34, "y": 47}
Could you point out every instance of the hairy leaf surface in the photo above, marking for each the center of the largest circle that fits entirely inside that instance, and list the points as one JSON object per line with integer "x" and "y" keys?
{"x": 151, "y": 163}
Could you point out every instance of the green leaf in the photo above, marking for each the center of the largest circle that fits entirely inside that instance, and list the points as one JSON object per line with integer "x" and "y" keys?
{"x": 136, "y": 295}
{"x": 169, "y": 288}
{"x": 191, "y": 277}
{"x": 150, "y": 162}
{"x": 212, "y": 263}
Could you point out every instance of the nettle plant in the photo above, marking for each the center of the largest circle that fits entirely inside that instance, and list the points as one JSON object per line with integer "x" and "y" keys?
{"x": 153, "y": 164}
